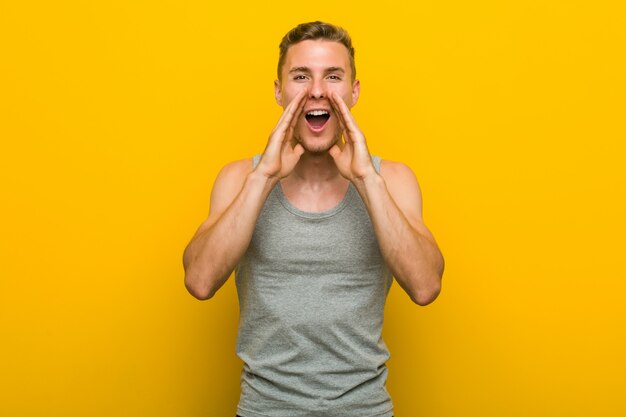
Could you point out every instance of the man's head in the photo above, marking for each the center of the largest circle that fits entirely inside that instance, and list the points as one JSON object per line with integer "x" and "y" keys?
{"x": 314, "y": 31}
{"x": 318, "y": 58}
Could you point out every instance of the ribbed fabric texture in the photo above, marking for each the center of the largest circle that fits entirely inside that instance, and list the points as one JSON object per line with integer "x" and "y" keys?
{"x": 312, "y": 289}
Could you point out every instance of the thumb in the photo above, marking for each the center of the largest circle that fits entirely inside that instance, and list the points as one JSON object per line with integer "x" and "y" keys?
{"x": 298, "y": 150}
{"x": 335, "y": 151}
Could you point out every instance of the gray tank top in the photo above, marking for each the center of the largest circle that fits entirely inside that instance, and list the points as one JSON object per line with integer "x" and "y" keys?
{"x": 312, "y": 290}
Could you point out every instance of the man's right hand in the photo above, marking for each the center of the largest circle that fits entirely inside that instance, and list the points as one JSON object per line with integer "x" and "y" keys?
{"x": 237, "y": 199}
{"x": 281, "y": 154}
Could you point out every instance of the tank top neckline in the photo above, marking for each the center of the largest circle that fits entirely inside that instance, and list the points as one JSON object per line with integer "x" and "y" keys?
{"x": 314, "y": 214}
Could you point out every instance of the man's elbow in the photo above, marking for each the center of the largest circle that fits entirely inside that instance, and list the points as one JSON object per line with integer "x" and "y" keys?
{"x": 199, "y": 282}
{"x": 201, "y": 294}
{"x": 429, "y": 292}
{"x": 198, "y": 290}
{"x": 424, "y": 297}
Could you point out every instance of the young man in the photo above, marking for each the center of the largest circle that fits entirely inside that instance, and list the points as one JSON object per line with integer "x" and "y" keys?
{"x": 314, "y": 229}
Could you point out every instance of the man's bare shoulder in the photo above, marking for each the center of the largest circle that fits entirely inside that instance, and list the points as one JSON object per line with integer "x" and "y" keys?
{"x": 403, "y": 187}
{"x": 228, "y": 183}
{"x": 235, "y": 170}
{"x": 397, "y": 172}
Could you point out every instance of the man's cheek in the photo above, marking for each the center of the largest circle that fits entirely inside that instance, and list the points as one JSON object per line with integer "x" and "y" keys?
{"x": 291, "y": 90}
{"x": 345, "y": 94}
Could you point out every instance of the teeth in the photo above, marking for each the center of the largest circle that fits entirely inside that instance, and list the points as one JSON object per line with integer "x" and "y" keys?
{"x": 317, "y": 113}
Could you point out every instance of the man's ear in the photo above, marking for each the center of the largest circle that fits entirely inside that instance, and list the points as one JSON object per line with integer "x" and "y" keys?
{"x": 277, "y": 93}
{"x": 356, "y": 91}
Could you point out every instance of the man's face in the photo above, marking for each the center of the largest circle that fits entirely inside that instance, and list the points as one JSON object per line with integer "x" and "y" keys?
{"x": 319, "y": 66}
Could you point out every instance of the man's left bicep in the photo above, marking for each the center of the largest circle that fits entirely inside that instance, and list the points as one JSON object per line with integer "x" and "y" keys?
{"x": 405, "y": 191}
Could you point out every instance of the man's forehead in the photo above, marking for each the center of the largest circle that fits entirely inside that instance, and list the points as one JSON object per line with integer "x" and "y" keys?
{"x": 317, "y": 54}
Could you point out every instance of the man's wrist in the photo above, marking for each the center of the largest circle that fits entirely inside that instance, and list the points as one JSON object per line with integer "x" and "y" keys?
{"x": 259, "y": 179}
{"x": 369, "y": 183}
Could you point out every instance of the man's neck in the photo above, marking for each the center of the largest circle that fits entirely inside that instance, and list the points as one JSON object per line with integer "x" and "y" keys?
{"x": 315, "y": 184}
{"x": 315, "y": 169}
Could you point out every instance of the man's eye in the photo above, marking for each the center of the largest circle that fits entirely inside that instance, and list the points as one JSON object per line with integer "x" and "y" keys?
{"x": 299, "y": 77}
{"x": 334, "y": 77}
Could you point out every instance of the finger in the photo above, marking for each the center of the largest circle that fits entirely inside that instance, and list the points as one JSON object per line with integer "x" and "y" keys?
{"x": 298, "y": 111}
{"x": 340, "y": 108}
{"x": 288, "y": 113}
{"x": 283, "y": 131}
{"x": 345, "y": 114}
{"x": 335, "y": 151}
{"x": 298, "y": 150}
{"x": 342, "y": 125}
{"x": 287, "y": 109}
{"x": 346, "y": 136}
{"x": 337, "y": 110}
{"x": 294, "y": 120}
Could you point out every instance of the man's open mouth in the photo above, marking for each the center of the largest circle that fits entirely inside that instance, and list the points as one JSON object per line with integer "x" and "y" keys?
{"x": 316, "y": 119}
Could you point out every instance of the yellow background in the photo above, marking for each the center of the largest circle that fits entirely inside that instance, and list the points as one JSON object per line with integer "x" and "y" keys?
{"x": 116, "y": 116}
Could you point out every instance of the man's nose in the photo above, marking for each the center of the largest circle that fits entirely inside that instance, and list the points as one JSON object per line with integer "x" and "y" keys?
{"x": 318, "y": 90}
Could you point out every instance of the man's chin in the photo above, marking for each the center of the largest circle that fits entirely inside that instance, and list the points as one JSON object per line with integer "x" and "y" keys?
{"x": 317, "y": 149}
{"x": 317, "y": 145}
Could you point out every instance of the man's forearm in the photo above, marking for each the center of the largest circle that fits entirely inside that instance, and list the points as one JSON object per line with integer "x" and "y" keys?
{"x": 213, "y": 253}
{"x": 409, "y": 250}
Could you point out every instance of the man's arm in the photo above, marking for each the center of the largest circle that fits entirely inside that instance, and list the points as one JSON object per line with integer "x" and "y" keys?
{"x": 237, "y": 198}
{"x": 236, "y": 201}
{"x": 393, "y": 200}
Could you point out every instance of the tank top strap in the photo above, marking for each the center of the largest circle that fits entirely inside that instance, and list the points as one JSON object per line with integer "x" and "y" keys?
{"x": 376, "y": 160}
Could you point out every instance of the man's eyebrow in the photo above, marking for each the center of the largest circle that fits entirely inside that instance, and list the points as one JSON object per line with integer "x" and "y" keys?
{"x": 299, "y": 69}
{"x": 308, "y": 70}
{"x": 335, "y": 69}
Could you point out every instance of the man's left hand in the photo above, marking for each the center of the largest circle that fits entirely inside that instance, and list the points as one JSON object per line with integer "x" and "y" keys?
{"x": 352, "y": 157}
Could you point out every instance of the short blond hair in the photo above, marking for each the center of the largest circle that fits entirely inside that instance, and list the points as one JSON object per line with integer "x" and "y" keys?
{"x": 312, "y": 31}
